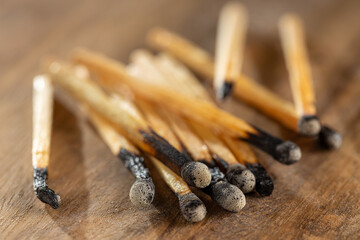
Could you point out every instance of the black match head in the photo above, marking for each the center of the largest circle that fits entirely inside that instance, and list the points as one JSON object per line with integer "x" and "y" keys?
{"x": 224, "y": 91}
{"x": 228, "y": 196}
{"x": 196, "y": 174}
{"x": 192, "y": 208}
{"x": 240, "y": 176}
{"x": 142, "y": 192}
{"x": 47, "y": 195}
{"x": 264, "y": 183}
{"x": 287, "y": 152}
{"x": 329, "y": 138}
{"x": 309, "y": 126}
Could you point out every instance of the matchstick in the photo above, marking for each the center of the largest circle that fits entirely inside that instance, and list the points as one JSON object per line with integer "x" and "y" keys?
{"x": 134, "y": 128}
{"x": 42, "y": 121}
{"x": 220, "y": 191}
{"x": 293, "y": 43}
{"x": 142, "y": 191}
{"x": 191, "y": 207}
{"x": 245, "y": 88}
{"x": 329, "y": 138}
{"x": 236, "y": 173}
{"x": 284, "y": 151}
{"x": 229, "y": 47}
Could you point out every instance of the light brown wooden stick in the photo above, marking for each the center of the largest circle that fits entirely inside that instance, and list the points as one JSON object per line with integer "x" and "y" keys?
{"x": 293, "y": 43}
{"x": 245, "y": 88}
{"x": 42, "y": 121}
{"x": 230, "y": 38}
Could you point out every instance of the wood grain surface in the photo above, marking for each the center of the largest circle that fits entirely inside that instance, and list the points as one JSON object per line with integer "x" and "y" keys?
{"x": 317, "y": 198}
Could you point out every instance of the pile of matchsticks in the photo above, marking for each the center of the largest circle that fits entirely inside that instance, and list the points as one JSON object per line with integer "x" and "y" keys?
{"x": 154, "y": 110}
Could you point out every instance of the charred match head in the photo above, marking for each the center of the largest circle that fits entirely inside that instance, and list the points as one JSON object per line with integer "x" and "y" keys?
{"x": 329, "y": 138}
{"x": 309, "y": 126}
{"x": 285, "y": 152}
{"x": 192, "y": 208}
{"x": 240, "y": 176}
{"x": 264, "y": 183}
{"x": 196, "y": 174}
{"x": 224, "y": 91}
{"x": 142, "y": 192}
{"x": 42, "y": 191}
{"x": 288, "y": 152}
{"x": 228, "y": 196}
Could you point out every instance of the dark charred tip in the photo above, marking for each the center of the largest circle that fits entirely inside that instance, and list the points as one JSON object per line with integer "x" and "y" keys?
{"x": 228, "y": 196}
{"x": 224, "y": 91}
{"x": 142, "y": 192}
{"x": 329, "y": 138}
{"x": 287, "y": 153}
{"x": 241, "y": 177}
{"x": 196, "y": 174}
{"x": 309, "y": 126}
{"x": 48, "y": 196}
{"x": 192, "y": 208}
{"x": 264, "y": 184}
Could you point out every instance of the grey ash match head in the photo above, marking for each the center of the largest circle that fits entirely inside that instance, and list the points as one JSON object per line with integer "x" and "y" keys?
{"x": 224, "y": 91}
{"x": 329, "y": 138}
{"x": 309, "y": 126}
{"x": 287, "y": 152}
{"x": 228, "y": 196}
{"x": 192, "y": 208}
{"x": 142, "y": 192}
{"x": 196, "y": 174}
{"x": 241, "y": 177}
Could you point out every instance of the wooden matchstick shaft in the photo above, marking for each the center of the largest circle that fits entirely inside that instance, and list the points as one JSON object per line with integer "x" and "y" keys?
{"x": 293, "y": 43}
{"x": 229, "y": 46}
{"x": 245, "y": 88}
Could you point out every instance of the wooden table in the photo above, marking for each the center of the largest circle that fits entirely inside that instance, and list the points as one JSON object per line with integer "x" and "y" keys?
{"x": 313, "y": 199}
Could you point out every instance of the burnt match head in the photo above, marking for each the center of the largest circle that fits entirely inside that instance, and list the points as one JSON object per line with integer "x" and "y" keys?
{"x": 41, "y": 189}
{"x": 192, "y": 208}
{"x": 142, "y": 192}
{"x": 264, "y": 184}
{"x": 47, "y": 195}
{"x": 224, "y": 91}
{"x": 309, "y": 126}
{"x": 228, "y": 196}
{"x": 329, "y": 138}
{"x": 196, "y": 174}
{"x": 240, "y": 176}
{"x": 287, "y": 152}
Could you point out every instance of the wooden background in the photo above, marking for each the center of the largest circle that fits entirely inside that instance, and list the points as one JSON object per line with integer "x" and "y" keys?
{"x": 314, "y": 199}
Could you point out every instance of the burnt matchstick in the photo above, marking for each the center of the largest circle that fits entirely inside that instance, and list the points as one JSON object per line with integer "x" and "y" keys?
{"x": 236, "y": 173}
{"x": 293, "y": 44}
{"x": 133, "y": 127}
{"x": 329, "y": 138}
{"x": 191, "y": 207}
{"x": 142, "y": 191}
{"x": 245, "y": 88}
{"x": 42, "y": 121}
{"x": 230, "y": 38}
{"x": 164, "y": 69}
{"x": 284, "y": 151}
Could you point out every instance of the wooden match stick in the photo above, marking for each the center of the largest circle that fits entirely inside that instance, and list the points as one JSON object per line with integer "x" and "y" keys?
{"x": 293, "y": 44}
{"x": 284, "y": 151}
{"x": 245, "y": 88}
{"x": 191, "y": 207}
{"x": 142, "y": 191}
{"x": 42, "y": 121}
{"x": 134, "y": 128}
{"x": 236, "y": 173}
{"x": 220, "y": 191}
{"x": 230, "y": 40}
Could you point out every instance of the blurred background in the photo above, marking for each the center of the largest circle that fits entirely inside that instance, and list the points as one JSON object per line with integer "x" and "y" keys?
{"x": 98, "y": 207}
